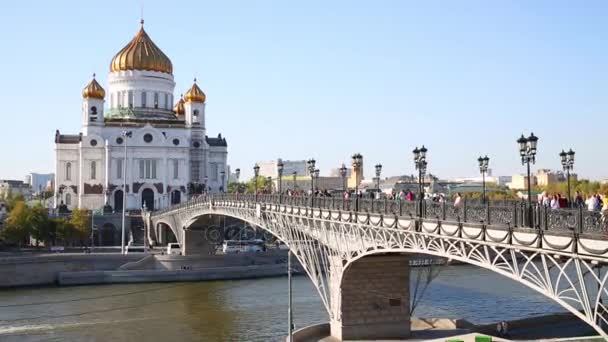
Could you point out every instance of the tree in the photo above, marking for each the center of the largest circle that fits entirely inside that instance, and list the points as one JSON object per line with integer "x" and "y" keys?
{"x": 12, "y": 199}
{"x": 17, "y": 228}
{"x": 81, "y": 222}
{"x": 233, "y": 187}
{"x": 262, "y": 184}
{"x": 65, "y": 231}
{"x": 40, "y": 225}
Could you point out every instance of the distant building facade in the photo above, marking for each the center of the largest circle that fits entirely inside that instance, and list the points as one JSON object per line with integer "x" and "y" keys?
{"x": 270, "y": 168}
{"x": 40, "y": 181}
{"x": 14, "y": 187}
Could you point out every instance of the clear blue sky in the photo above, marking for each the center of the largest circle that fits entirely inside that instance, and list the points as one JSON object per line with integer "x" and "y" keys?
{"x": 325, "y": 79}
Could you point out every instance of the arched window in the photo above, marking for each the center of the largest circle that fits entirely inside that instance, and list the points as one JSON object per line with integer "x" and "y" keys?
{"x": 155, "y": 100}
{"x": 143, "y": 99}
{"x": 93, "y": 110}
{"x": 93, "y": 170}
{"x": 68, "y": 171}
{"x": 167, "y": 105}
{"x": 195, "y": 113}
{"x": 68, "y": 199}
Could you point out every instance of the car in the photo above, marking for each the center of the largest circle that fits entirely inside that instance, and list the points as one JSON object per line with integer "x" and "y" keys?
{"x": 174, "y": 249}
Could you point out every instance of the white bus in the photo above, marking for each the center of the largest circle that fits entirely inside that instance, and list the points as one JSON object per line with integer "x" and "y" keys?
{"x": 243, "y": 246}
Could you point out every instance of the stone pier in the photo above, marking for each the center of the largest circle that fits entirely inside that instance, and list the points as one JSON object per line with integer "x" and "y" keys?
{"x": 374, "y": 299}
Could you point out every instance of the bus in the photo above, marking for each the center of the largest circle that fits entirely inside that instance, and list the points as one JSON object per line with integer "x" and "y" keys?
{"x": 243, "y": 246}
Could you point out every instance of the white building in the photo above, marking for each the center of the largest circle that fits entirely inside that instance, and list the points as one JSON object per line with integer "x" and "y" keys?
{"x": 270, "y": 169}
{"x": 135, "y": 127}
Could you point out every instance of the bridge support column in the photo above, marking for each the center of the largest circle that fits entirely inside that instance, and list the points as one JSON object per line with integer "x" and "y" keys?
{"x": 374, "y": 299}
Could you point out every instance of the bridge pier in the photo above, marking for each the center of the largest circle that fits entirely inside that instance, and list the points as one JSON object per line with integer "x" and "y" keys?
{"x": 374, "y": 299}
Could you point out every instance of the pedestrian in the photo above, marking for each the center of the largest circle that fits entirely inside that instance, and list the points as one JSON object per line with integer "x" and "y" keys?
{"x": 458, "y": 201}
{"x": 578, "y": 200}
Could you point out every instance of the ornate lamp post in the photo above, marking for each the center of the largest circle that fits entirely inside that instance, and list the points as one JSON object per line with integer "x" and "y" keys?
{"x": 378, "y": 172}
{"x": 237, "y": 173}
{"x": 357, "y": 162}
{"x": 126, "y": 135}
{"x": 280, "y": 167}
{"x": 205, "y": 179}
{"x": 295, "y": 176}
{"x": 317, "y": 178}
{"x": 568, "y": 164}
{"x": 527, "y": 151}
{"x": 483, "y": 168}
{"x": 269, "y": 182}
{"x": 420, "y": 162}
{"x": 311, "y": 171}
{"x": 343, "y": 171}
{"x": 256, "y": 173}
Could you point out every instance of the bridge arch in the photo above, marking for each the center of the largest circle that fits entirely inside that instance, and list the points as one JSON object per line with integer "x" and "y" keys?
{"x": 533, "y": 285}
{"x": 349, "y": 236}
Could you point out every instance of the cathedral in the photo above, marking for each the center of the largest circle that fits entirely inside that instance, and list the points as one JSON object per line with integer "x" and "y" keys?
{"x": 139, "y": 146}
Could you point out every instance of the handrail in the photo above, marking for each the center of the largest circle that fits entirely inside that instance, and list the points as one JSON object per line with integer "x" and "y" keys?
{"x": 512, "y": 214}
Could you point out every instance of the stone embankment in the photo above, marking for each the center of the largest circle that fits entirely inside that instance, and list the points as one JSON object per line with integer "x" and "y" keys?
{"x": 84, "y": 269}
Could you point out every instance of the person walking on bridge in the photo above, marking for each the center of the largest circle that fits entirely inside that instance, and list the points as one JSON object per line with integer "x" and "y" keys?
{"x": 458, "y": 201}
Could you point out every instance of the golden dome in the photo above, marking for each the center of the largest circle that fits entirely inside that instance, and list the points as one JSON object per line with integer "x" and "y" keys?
{"x": 179, "y": 108}
{"x": 141, "y": 54}
{"x": 93, "y": 90}
{"x": 195, "y": 94}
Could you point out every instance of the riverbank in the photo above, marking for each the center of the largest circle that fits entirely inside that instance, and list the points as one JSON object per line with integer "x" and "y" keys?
{"x": 105, "y": 268}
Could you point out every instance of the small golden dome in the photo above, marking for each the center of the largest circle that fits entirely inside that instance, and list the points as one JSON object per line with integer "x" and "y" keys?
{"x": 93, "y": 90}
{"x": 195, "y": 94}
{"x": 141, "y": 54}
{"x": 179, "y": 108}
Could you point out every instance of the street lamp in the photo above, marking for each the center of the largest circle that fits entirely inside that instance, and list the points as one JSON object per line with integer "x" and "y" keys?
{"x": 343, "y": 171}
{"x": 317, "y": 178}
{"x": 237, "y": 173}
{"x": 357, "y": 162}
{"x": 483, "y": 168}
{"x": 378, "y": 171}
{"x": 126, "y": 135}
{"x": 269, "y": 181}
{"x": 420, "y": 162}
{"x": 256, "y": 172}
{"x": 568, "y": 165}
{"x": 311, "y": 171}
{"x": 280, "y": 167}
{"x": 527, "y": 151}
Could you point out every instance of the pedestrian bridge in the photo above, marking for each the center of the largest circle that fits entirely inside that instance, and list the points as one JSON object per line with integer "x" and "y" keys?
{"x": 356, "y": 251}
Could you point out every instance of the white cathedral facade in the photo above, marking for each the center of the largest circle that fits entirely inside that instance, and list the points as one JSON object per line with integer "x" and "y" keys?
{"x": 134, "y": 135}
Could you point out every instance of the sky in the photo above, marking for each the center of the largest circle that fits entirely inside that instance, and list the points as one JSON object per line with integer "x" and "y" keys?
{"x": 325, "y": 79}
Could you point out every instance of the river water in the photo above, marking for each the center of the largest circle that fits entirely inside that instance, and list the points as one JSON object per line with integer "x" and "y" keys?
{"x": 244, "y": 310}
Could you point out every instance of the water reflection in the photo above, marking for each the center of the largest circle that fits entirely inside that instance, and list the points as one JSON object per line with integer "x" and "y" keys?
{"x": 248, "y": 310}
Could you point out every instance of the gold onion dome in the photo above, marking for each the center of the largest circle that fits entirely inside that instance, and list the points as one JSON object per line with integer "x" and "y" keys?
{"x": 141, "y": 54}
{"x": 93, "y": 90}
{"x": 179, "y": 108}
{"x": 195, "y": 94}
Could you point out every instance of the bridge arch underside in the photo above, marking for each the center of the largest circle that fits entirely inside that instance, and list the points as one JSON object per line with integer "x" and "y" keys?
{"x": 327, "y": 247}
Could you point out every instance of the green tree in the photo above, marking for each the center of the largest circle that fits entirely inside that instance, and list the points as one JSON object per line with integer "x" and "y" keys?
{"x": 81, "y": 222}
{"x": 12, "y": 199}
{"x": 65, "y": 232}
{"x": 17, "y": 229}
{"x": 232, "y": 187}
{"x": 40, "y": 225}
{"x": 262, "y": 185}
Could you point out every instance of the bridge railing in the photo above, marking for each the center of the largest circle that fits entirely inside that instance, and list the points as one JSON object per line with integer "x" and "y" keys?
{"x": 508, "y": 214}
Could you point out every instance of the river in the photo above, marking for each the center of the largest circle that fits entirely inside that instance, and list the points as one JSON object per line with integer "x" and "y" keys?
{"x": 245, "y": 310}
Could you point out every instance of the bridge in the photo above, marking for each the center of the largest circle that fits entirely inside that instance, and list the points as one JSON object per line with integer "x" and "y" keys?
{"x": 356, "y": 251}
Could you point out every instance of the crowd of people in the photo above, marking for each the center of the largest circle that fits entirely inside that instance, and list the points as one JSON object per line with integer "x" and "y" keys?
{"x": 594, "y": 202}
